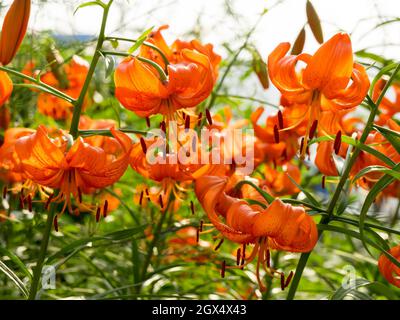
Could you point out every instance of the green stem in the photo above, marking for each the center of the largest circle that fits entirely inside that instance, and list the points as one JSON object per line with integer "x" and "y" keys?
{"x": 42, "y": 254}
{"x": 79, "y": 102}
{"x": 39, "y": 84}
{"x": 326, "y": 219}
{"x": 105, "y": 132}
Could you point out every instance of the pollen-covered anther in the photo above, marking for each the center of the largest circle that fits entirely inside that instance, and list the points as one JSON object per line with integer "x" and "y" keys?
{"x": 276, "y": 134}
{"x": 280, "y": 119}
{"x": 223, "y": 267}
{"x": 209, "y": 118}
{"x": 98, "y": 214}
{"x": 105, "y": 208}
{"x": 143, "y": 144}
{"x": 338, "y": 142}
{"x": 313, "y": 129}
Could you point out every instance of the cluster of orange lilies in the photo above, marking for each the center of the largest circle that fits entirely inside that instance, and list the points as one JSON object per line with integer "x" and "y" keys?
{"x": 52, "y": 166}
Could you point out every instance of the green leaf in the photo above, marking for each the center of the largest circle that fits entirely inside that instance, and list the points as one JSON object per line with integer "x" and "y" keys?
{"x": 89, "y": 4}
{"x": 114, "y": 43}
{"x": 140, "y": 40}
{"x": 14, "y": 278}
{"x": 341, "y": 293}
{"x": 373, "y": 193}
{"x": 309, "y": 196}
{"x": 392, "y": 136}
{"x": 16, "y": 260}
{"x": 371, "y": 169}
{"x": 314, "y": 22}
{"x": 84, "y": 243}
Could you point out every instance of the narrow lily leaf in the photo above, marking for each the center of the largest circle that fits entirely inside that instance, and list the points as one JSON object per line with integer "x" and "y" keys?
{"x": 140, "y": 40}
{"x": 89, "y": 4}
{"x": 14, "y": 278}
{"x": 299, "y": 42}
{"x": 392, "y": 136}
{"x": 373, "y": 193}
{"x": 16, "y": 260}
{"x": 371, "y": 169}
{"x": 342, "y": 292}
{"x": 314, "y": 22}
{"x": 307, "y": 194}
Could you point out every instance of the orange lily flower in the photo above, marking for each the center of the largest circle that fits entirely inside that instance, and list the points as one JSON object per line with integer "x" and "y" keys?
{"x": 170, "y": 174}
{"x": 10, "y": 166}
{"x": 280, "y": 136}
{"x": 278, "y": 183}
{"x": 387, "y": 107}
{"x": 73, "y": 167}
{"x": 6, "y": 87}
{"x": 330, "y": 77}
{"x": 330, "y": 123}
{"x": 279, "y": 226}
{"x": 86, "y": 123}
{"x": 76, "y": 71}
{"x": 388, "y": 269}
{"x": 14, "y": 29}
{"x": 190, "y": 80}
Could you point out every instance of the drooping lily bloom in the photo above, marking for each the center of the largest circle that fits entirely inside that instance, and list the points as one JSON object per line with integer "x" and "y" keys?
{"x": 388, "y": 269}
{"x": 86, "y": 123}
{"x": 280, "y": 136}
{"x": 279, "y": 226}
{"x": 378, "y": 142}
{"x": 150, "y": 159}
{"x": 388, "y": 108}
{"x": 6, "y": 87}
{"x": 329, "y": 77}
{"x": 76, "y": 71}
{"x": 278, "y": 182}
{"x": 10, "y": 166}
{"x": 190, "y": 80}
{"x": 331, "y": 122}
{"x": 72, "y": 167}
{"x": 14, "y": 29}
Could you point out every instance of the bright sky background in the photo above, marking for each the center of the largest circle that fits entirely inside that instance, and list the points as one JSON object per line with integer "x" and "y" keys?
{"x": 282, "y": 23}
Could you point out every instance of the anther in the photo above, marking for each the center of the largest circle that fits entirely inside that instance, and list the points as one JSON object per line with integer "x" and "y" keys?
{"x": 21, "y": 202}
{"x": 163, "y": 126}
{"x": 238, "y": 256}
{"x": 219, "y": 244}
{"x": 223, "y": 267}
{"x": 98, "y": 214}
{"x": 280, "y": 119}
{"x": 56, "y": 223}
{"x": 338, "y": 142}
{"x": 282, "y": 281}
{"x": 160, "y": 201}
{"x": 197, "y": 235}
{"x": 141, "y": 198}
{"x": 143, "y": 144}
{"x": 148, "y": 122}
{"x": 209, "y": 118}
{"x": 313, "y": 129}
{"x": 30, "y": 203}
{"x": 187, "y": 122}
{"x": 5, "y": 190}
{"x": 301, "y": 145}
{"x": 268, "y": 258}
{"x": 276, "y": 134}
{"x": 323, "y": 182}
{"x": 289, "y": 278}
{"x": 201, "y": 226}
{"x": 46, "y": 206}
{"x": 105, "y": 208}
{"x": 192, "y": 206}
{"x": 79, "y": 195}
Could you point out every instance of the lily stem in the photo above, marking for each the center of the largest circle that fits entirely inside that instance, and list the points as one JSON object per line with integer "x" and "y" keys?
{"x": 42, "y": 254}
{"x": 97, "y": 54}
